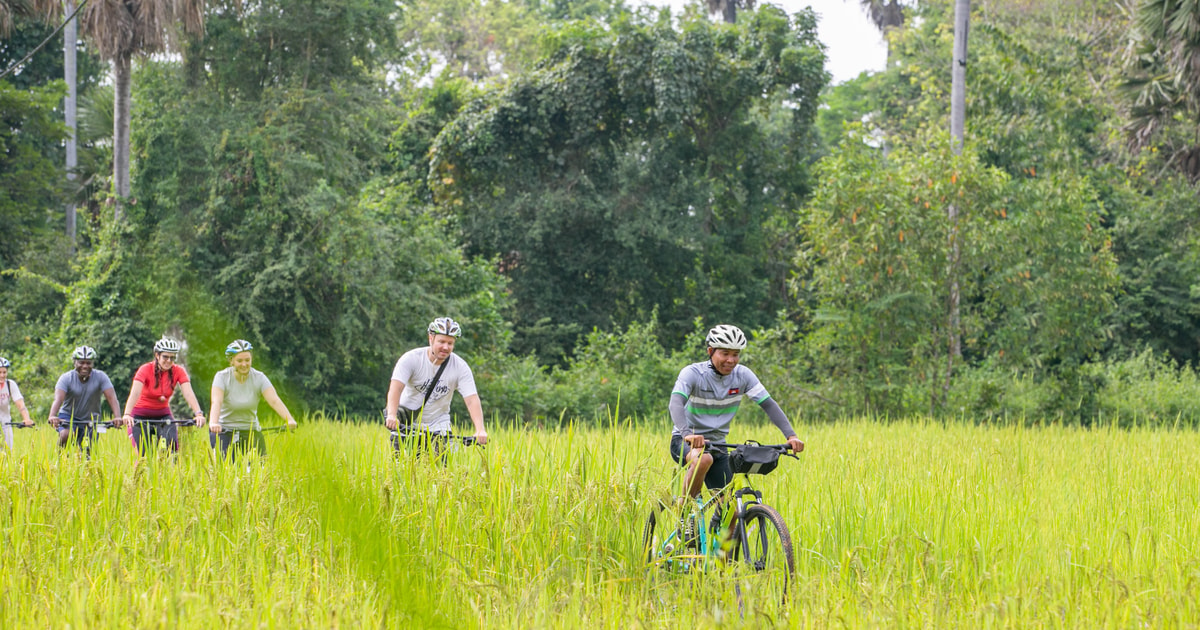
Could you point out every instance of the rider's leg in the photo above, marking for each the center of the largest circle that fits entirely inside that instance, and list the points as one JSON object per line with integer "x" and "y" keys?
{"x": 699, "y": 463}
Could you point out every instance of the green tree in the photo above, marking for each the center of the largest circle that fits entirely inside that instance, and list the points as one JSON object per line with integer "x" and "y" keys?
{"x": 1036, "y": 273}
{"x": 638, "y": 167}
{"x": 261, "y": 211}
{"x": 31, "y": 182}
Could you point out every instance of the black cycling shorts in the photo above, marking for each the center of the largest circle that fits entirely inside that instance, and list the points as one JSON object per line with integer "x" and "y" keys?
{"x": 719, "y": 475}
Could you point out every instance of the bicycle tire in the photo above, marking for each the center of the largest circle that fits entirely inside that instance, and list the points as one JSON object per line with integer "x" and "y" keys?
{"x": 661, "y": 538}
{"x": 763, "y": 545}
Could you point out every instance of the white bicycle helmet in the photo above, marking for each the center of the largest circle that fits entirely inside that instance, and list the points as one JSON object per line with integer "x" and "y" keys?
{"x": 727, "y": 337}
{"x": 4, "y": 363}
{"x": 444, "y": 326}
{"x": 238, "y": 345}
{"x": 84, "y": 353}
{"x": 166, "y": 344}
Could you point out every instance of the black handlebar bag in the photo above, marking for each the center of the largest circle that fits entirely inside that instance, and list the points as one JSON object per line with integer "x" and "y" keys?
{"x": 752, "y": 459}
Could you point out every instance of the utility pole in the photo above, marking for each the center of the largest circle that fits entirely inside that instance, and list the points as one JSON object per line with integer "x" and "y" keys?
{"x": 958, "y": 75}
{"x": 70, "y": 39}
{"x": 958, "y": 116}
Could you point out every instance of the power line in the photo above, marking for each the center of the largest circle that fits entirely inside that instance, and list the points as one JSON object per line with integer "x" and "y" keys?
{"x": 13, "y": 68}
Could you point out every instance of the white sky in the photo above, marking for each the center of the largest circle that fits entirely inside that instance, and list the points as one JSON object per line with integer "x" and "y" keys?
{"x": 852, "y": 43}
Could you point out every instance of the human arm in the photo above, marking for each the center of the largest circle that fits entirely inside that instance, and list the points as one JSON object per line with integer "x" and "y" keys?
{"x": 217, "y": 396}
{"x": 110, "y": 394}
{"x": 20, "y": 403}
{"x": 190, "y": 397}
{"x": 780, "y": 420}
{"x": 273, "y": 400}
{"x": 393, "y": 401}
{"x": 59, "y": 397}
{"x": 135, "y": 392}
{"x": 678, "y": 409}
{"x": 475, "y": 408}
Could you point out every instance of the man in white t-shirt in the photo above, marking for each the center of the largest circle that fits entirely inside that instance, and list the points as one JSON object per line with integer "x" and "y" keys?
{"x": 10, "y": 396}
{"x": 425, "y": 403}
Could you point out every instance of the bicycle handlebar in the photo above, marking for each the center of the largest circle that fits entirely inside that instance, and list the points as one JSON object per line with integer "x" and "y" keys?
{"x": 186, "y": 422}
{"x": 404, "y": 433}
{"x": 276, "y": 429}
{"x": 784, "y": 449}
{"x": 21, "y": 425}
{"x": 66, "y": 424}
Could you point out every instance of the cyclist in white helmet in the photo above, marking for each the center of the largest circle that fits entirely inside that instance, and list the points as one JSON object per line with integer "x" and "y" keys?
{"x": 424, "y": 380}
{"x": 10, "y": 398}
{"x": 77, "y": 396}
{"x": 150, "y": 397}
{"x": 705, "y": 398}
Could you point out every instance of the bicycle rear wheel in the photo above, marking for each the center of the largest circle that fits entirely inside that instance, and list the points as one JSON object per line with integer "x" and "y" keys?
{"x": 763, "y": 550}
{"x": 662, "y": 539}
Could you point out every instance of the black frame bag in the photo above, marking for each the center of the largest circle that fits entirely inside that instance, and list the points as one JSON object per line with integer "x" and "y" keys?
{"x": 752, "y": 459}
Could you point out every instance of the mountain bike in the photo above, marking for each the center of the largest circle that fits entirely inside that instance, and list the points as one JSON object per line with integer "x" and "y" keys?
{"x": 233, "y": 443}
{"x": 159, "y": 430}
{"x": 421, "y": 440}
{"x": 732, "y": 531}
{"x": 85, "y": 431}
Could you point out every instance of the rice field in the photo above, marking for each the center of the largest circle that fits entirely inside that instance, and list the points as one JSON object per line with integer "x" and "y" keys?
{"x": 905, "y": 524}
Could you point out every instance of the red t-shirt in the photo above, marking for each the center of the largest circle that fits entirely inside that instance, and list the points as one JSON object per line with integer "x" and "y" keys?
{"x": 156, "y": 396}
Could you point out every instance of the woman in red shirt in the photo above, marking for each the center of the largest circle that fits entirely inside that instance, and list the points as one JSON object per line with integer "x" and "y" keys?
{"x": 150, "y": 397}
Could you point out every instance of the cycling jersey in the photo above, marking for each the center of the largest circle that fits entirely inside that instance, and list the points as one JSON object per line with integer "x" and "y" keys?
{"x": 83, "y": 398}
{"x": 155, "y": 387}
{"x": 239, "y": 406}
{"x": 712, "y": 399}
{"x": 7, "y": 405}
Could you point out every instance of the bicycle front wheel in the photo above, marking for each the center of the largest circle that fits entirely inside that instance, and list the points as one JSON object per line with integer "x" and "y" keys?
{"x": 763, "y": 550}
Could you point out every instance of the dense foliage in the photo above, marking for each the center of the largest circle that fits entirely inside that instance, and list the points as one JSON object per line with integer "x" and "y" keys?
{"x": 587, "y": 189}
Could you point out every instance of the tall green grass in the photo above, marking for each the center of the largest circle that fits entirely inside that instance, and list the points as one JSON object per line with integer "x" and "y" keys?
{"x": 896, "y": 525}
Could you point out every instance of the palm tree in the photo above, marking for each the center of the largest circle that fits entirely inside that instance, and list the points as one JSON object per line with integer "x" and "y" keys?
{"x": 1163, "y": 79}
{"x": 12, "y": 9}
{"x": 728, "y": 8}
{"x": 886, "y": 14}
{"x": 120, "y": 29}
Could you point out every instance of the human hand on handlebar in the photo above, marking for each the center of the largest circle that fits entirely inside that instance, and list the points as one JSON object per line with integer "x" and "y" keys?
{"x": 694, "y": 440}
{"x": 795, "y": 444}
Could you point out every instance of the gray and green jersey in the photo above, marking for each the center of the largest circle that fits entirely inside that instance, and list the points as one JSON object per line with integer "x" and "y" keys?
{"x": 239, "y": 406}
{"x": 711, "y": 400}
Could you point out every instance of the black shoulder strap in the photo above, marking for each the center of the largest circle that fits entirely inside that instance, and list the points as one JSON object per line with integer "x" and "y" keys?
{"x": 436, "y": 378}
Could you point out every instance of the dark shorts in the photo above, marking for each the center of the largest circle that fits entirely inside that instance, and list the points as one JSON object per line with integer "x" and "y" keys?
{"x": 719, "y": 475}
{"x": 237, "y": 442}
{"x": 82, "y": 431}
{"x": 145, "y": 434}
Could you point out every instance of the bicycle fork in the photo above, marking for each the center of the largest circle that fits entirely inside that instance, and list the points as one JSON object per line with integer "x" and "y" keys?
{"x": 738, "y": 535}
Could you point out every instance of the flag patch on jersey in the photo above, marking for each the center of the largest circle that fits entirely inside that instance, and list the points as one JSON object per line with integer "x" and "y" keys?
{"x": 734, "y": 391}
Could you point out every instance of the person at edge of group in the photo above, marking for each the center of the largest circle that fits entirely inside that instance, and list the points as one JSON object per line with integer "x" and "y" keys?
{"x": 10, "y": 396}
{"x": 703, "y": 402}
{"x": 236, "y": 391}
{"x": 413, "y": 377}
{"x": 150, "y": 398}
{"x": 77, "y": 396}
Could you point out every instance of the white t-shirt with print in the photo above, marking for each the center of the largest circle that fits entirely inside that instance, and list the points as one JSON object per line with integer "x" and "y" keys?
{"x": 416, "y": 371}
{"x": 7, "y": 406}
